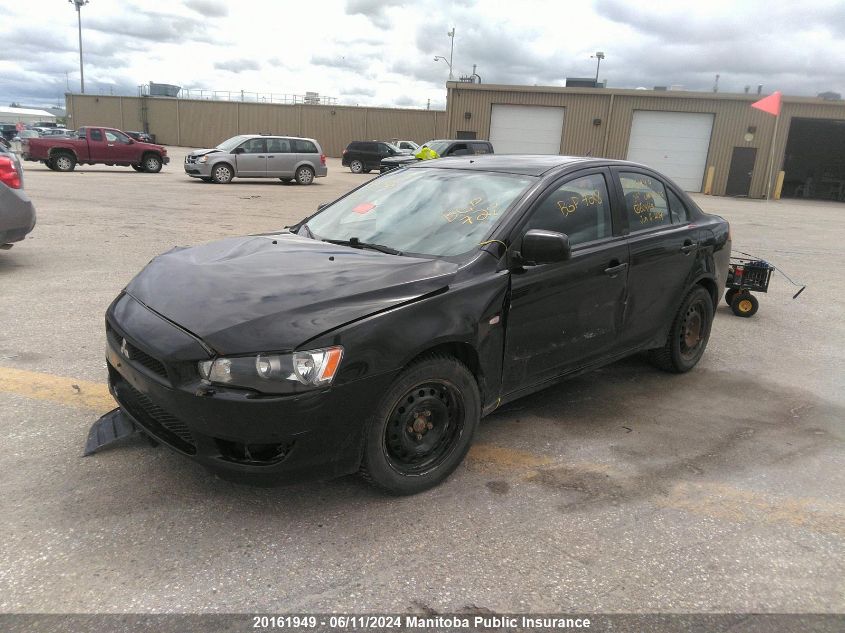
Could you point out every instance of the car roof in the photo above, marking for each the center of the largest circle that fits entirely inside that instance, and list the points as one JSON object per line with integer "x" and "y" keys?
{"x": 524, "y": 164}
{"x": 301, "y": 138}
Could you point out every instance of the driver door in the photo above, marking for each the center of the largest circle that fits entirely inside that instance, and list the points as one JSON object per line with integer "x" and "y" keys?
{"x": 564, "y": 315}
{"x": 252, "y": 162}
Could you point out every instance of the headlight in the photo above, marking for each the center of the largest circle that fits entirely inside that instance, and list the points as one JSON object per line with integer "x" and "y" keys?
{"x": 275, "y": 373}
{"x": 202, "y": 159}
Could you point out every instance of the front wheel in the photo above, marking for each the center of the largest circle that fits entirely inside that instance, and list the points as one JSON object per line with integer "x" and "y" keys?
{"x": 688, "y": 335}
{"x": 423, "y": 427}
{"x": 222, "y": 174}
{"x": 152, "y": 164}
{"x": 304, "y": 175}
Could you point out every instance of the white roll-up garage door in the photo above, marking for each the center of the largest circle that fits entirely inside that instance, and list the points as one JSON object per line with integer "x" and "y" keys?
{"x": 518, "y": 129}
{"x": 674, "y": 143}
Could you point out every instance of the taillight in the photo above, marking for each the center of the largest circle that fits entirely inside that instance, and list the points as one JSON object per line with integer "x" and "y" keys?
{"x": 323, "y": 158}
{"x": 344, "y": 152}
{"x": 9, "y": 176}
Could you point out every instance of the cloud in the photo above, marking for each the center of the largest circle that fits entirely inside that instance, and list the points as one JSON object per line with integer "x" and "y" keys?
{"x": 237, "y": 65}
{"x": 209, "y": 8}
{"x": 374, "y": 10}
{"x": 358, "y": 91}
{"x": 357, "y": 63}
{"x": 151, "y": 26}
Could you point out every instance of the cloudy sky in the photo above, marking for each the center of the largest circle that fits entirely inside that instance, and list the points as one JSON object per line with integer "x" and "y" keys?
{"x": 381, "y": 52}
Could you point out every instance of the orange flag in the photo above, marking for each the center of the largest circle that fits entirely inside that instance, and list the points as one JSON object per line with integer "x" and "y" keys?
{"x": 770, "y": 104}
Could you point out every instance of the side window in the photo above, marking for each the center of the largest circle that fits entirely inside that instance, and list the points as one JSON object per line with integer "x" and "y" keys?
{"x": 278, "y": 146}
{"x": 677, "y": 208}
{"x": 480, "y": 148}
{"x": 369, "y": 147}
{"x": 254, "y": 146}
{"x": 645, "y": 201}
{"x": 304, "y": 147}
{"x": 457, "y": 147}
{"x": 579, "y": 208}
{"x": 383, "y": 149}
{"x": 113, "y": 136}
{"x": 96, "y": 135}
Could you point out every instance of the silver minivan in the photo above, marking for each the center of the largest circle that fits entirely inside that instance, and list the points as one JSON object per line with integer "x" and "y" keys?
{"x": 259, "y": 156}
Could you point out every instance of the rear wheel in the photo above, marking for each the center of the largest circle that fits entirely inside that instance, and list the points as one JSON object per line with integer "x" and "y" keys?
{"x": 137, "y": 167}
{"x": 50, "y": 164}
{"x": 745, "y": 305}
{"x": 64, "y": 161}
{"x": 222, "y": 174}
{"x": 356, "y": 166}
{"x": 304, "y": 175}
{"x": 151, "y": 163}
{"x": 423, "y": 426}
{"x": 688, "y": 335}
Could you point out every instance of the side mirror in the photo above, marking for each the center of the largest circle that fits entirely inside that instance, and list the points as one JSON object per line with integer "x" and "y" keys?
{"x": 129, "y": 141}
{"x": 545, "y": 247}
{"x": 238, "y": 150}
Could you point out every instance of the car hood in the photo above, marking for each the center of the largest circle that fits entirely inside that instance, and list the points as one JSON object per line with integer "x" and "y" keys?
{"x": 405, "y": 158}
{"x": 203, "y": 152}
{"x": 275, "y": 292}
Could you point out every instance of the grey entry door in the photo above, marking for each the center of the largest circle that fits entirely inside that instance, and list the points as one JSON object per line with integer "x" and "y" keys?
{"x": 252, "y": 162}
{"x": 742, "y": 169}
{"x": 281, "y": 158}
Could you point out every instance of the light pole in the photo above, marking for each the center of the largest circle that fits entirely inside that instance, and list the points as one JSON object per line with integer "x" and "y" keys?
{"x": 451, "y": 34}
{"x": 448, "y": 63}
{"x": 79, "y": 4}
{"x": 598, "y": 56}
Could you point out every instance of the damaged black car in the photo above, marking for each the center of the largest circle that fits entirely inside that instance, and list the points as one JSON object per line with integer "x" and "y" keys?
{"x": 373, "y": 336}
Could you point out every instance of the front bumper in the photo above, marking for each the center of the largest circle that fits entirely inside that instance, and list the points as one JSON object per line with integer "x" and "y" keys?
{"x": 241, "y": 435}
{"x": 165, "y": 160}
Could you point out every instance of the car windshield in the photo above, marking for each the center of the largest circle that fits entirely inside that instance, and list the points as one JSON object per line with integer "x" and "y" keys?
{"x": 439, "y": 212}
{"x": 394, "y": 148}
{"x": 230, "y": 144}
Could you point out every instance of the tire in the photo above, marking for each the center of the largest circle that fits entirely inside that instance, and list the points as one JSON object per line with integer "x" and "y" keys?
{"x": 222, "y": 174}
{"x": 730, "y": 294}
{"x": 286, "y": 180}
{"x": 151, "y": 163}
{"x": 50, "y": 165}
{"x": 205, "y": 178}
{"x": 367, "y": 171}
{"x": 305, "y": 175}
{"x": 356, "y": 167}
{"x": 688, "y": 335}
{"x": 64, "y": 161}
{"x": 137, "y": 167}
{"x": 745, "y": 305}
{"x": 422, "y": 428}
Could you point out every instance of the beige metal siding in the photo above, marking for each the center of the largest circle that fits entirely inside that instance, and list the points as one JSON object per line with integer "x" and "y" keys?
{"x": 200, "y": 123}
{"x": 733, "y": 117}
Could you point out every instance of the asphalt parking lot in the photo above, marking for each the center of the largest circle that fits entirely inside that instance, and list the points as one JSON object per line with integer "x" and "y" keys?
{"x": 625, "y": 490}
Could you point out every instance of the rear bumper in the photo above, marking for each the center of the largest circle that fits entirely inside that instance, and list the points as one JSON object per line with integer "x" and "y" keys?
{"x": 17, "y": 215}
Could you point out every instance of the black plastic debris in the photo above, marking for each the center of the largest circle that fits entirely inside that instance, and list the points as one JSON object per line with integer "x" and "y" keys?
{"x": 113, "y": 426}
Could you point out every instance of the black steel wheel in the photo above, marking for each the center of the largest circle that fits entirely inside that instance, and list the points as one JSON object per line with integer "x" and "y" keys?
{"x": 423, "y": 427}
{"x": 745, "y": 305}
{"x": 688, "y": 335}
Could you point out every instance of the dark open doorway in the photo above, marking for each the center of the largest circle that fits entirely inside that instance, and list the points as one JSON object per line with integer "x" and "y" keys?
{"x": 815, "y": 160}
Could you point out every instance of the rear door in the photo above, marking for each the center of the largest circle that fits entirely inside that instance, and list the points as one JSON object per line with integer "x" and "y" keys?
{"x": 663, "y": 250}
{"x": 281, "y": 158}
{"x": 97, "y": 147}
{"x": 252, "y": 162}
{"x": 564, "y": 315}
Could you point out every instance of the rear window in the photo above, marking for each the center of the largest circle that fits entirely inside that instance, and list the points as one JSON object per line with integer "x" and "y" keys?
{"x": 304, "y": 147}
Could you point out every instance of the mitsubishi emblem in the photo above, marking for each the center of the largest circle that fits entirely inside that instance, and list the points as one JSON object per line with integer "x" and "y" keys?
{"x": 124, "y": 349}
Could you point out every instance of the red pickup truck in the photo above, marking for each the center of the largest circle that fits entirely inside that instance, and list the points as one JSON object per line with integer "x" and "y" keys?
{"x": 95, "y": 145}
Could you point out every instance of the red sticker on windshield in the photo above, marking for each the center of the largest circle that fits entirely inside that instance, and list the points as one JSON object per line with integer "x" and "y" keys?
{"x": 364, "y": 207}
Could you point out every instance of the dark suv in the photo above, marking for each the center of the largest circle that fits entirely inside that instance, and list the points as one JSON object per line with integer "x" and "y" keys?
{"x": 443, "y": 148}
{"x": 363, "y": 156}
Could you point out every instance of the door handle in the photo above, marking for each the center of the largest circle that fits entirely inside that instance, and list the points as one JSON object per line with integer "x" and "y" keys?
{"x": 267, "y": 157}
{"x": 615, "y": 268}
{"x": 111, "y": 144}
{"x": 688, "y": 247}
{"x": 260, "y": 157}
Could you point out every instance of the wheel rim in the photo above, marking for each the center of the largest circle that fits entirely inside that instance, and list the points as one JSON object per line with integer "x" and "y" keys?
{"x": 357, "y": 166}
{"x": 305, "y": 176}
{"x": 745, "y": 305}
{"x": 424, "y": 427}
{"x": 152, "y": 164}
{"x": 62, "y": 162}
{"x": 692, "y": 331}
{"x": 222, "y": 173}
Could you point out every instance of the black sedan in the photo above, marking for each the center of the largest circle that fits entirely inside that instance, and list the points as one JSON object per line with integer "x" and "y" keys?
{"x": 373, "y": 336}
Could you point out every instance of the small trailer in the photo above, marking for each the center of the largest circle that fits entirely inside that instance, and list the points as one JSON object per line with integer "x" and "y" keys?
{"x": 747, "y": 274}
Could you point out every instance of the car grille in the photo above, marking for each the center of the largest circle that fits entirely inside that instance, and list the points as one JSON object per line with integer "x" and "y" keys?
{"x": 190, "y": 159}
{"x": 136, "y": 355}
{"x": 151, "y": 416}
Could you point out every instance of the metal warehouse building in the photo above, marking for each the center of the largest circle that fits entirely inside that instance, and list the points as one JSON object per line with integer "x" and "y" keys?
{"x": 711, "y": 142}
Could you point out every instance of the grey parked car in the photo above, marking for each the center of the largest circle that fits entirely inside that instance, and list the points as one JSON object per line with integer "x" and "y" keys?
{"x": 259, "y": 156}
{"x": 17, "y": 214}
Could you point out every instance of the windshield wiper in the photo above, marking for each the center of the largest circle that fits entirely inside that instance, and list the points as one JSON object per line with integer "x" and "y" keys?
{"x": 354, "y": 242}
